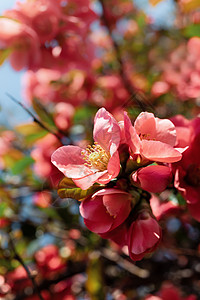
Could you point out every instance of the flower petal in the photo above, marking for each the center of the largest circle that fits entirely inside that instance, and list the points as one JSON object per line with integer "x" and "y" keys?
{"x": 145, "y": 124}
{"x": 160, "y": 152}
{"x": 153, "y": 179}
{"x": 132, "y": 138}
{"x": 69, "y": 160}
{"x": 106, "y": 131}
{"x": 85, "y": 182}
{"x": 165, "y": 131}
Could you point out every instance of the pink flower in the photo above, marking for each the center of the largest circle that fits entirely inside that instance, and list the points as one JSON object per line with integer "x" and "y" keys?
{"x": 22, "y": 42}
{"x": 42, "y": 17}
{"x": 152, "y": 138}
{"x": 187, "y": 177}
{"x": 37, "y": 84}
{"x": 143, "y": 236}
{"x": 181, "y": 71}
{"x": 42, "y": 156}
{"x": 53, "y": 86}
{"x": 183, "y": 130}
{"x": 187, "y": 171}
{"x": 169, "y": 291}
{"x": 159, "y": 88}
{"x": 105, "y": 210}
{"x": 164, "y": 209}
{"x": 64, "y": 113}
{"x": 117, "y": 235}
{"x": 98, "y": 163}
{"x": 153, "y": 179}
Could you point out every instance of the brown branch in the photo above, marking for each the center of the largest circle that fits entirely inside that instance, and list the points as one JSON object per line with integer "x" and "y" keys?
{"x": 138, "y": 97}
{"x": 35, "y": 119}
{"x": 30, "y": 276}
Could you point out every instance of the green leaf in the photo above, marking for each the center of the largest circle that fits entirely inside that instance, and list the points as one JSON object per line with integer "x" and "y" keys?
{"x": 11, "y": 157}
{"x": 4, "y": 53}
{"x": 68, "y": 189}
{"x": 192, "y": 30}
{"x": 31, "y": 132}
{"x": 3, "y": 207}
{"x": 43, "y": 114}
{"x": 82, "y": 114}
{"x": 22, "y": 164}
{"x": 66, "y": 183}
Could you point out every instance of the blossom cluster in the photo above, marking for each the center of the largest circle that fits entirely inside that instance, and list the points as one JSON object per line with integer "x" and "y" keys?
{"x": 125, "y": 164}
{"x": 181, "y": 73}
{"x": 36, "y": 34}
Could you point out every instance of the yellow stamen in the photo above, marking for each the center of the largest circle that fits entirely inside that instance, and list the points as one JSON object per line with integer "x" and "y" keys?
{"x": 96, "y": 157}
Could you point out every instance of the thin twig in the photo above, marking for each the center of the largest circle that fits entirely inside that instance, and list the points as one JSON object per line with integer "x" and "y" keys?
{"x": 138, "y": 97}
{"x": 20, "y": 260}
{"x": 35, "y": 119}
{"x": 124, "y": 263}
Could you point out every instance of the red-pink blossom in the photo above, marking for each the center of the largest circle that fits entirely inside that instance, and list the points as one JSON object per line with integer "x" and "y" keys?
{"x": 143, "y": 235}
{"x": 64, "y": 113}
{"x": 42, "y": 156}
{"x": 42, "y": 16}
{"x": 152, "y": 138}
{"x": 169, "y": 291}
{"x": 163, "y": 209}
{"x": 159, "y": 88}
{"x": 153, "y": 179}
{"x": 98, "y": 163}
{"x": 110, "y": 92}
{"x": 49, "y": 85}
{"x": 181, "y": 72}
{"x": 21, "y": 41}
{"x": 105, "y": 210}
{"x": 187, "y": 171}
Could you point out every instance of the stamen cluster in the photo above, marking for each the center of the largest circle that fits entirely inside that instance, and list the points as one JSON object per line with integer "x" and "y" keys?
{"x": 96, "y": 157}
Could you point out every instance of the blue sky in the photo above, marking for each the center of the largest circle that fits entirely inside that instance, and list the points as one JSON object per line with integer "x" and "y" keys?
{"x": 10, "y": 82}
{"x": 163, "y": 13}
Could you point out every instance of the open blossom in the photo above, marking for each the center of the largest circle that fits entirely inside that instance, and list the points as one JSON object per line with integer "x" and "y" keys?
{"x": 151, "y": 138}
{"x": 98, "y": 163}
{"x": 105, "y": 210}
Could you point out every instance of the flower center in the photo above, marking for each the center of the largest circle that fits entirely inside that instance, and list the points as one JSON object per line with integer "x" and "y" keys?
{"x": 96, "y": 157}
{"x": 193, "y": 175}
{"x": 146, "y": 136}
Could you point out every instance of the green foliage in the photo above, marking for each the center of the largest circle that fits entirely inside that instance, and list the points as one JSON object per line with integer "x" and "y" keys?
{"x": 68, "y": 189}
{"x": 3, "y": 207}
{"x": 31, "y": 132}
{"x": 45, "y": 117}
{"x": 192, "y": 30}
{"x": 22, "y": 164}
{"x": 4, "y": 53}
